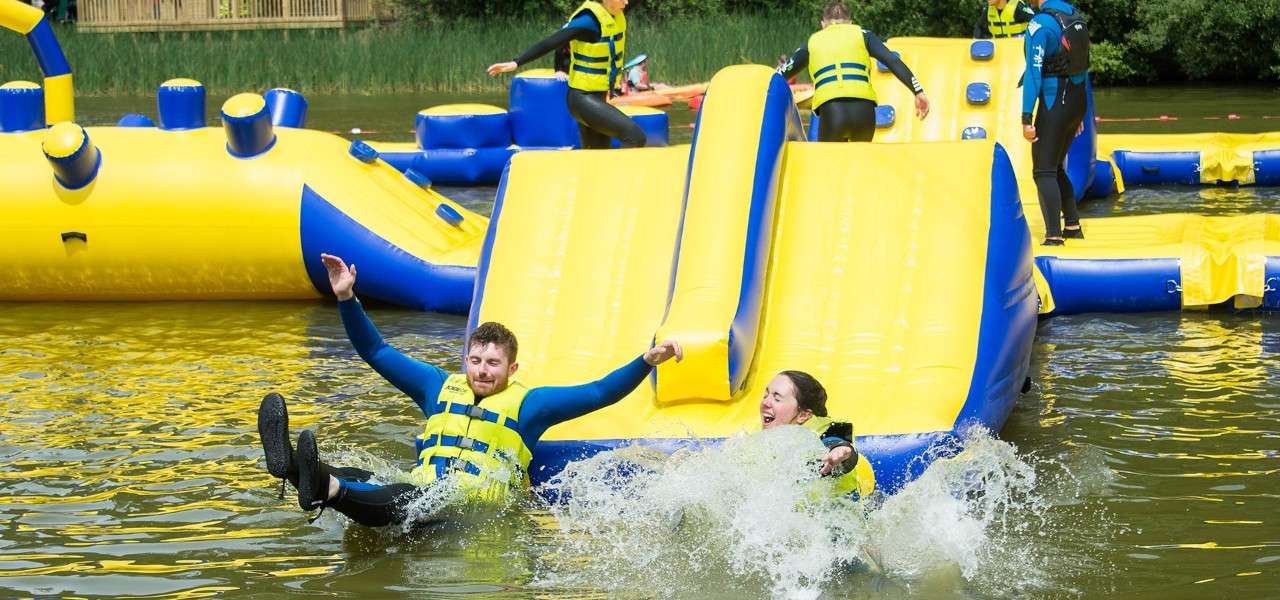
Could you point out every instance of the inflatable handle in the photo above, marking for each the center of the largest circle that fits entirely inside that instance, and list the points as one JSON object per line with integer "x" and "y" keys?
{"x": 362, "y": 152}
{"x": 417, "y": 178}
{"x": 449, "y": 215}
{"x": 982, "y": 50}
{"x": 75, "y": 235}
{"x": 885, "y": 116}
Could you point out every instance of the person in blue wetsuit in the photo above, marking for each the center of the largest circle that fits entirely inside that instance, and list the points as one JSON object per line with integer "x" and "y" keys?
{"x": 481, "y": 425}
{"x": 839, "y": 61}
{"x": 1057, "y": 54}
{"x": 596, "y": 36}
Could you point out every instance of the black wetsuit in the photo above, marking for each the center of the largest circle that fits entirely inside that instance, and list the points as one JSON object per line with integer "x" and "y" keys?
{"x": 1062, "y": 103}
{"x": 852, "y": 119}
{"x": 598, "y": 121}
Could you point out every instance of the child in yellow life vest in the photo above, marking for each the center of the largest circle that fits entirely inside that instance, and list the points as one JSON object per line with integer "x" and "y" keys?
{"x": 796, "y": 398}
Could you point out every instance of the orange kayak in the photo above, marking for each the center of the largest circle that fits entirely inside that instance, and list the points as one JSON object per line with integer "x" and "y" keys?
{"x": 683, "y": 92}
{"x": 649, "y": 99}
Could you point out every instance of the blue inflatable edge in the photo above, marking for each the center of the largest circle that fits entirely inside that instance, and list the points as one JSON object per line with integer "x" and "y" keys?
{"x": 1010, "y": 303}
{"x": 1112, "y": 285}
{"x": 388, "y": 273}
{"x": 486, "y": 256}
{"x": 779, "y": 124}
{"x": 1271, "y": 297}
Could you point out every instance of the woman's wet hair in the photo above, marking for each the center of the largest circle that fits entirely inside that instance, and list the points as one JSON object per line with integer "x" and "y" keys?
{"x": 810, "y": 395}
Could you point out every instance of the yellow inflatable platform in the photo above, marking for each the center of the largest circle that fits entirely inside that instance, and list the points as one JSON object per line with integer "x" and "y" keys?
{"x": 760, "y": 252}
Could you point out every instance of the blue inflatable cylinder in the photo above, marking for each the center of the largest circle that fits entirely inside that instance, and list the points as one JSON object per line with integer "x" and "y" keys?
{"x": 74, "y": 159}
{"x": 181, "y": 104}
{"x": 21, "y": 107}
{"x": 539, "y": 113}
{"x": 449, "y": 215}
{"x": 456, "y": 126}
{"x": 288, "y": 107}
{"x": 135, "y": 120}
{"x": 247, "y": 123}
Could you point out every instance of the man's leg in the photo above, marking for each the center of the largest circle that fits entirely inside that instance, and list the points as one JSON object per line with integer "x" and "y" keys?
{"x": 273, "y": 431}
{"x": 368, "y": 504}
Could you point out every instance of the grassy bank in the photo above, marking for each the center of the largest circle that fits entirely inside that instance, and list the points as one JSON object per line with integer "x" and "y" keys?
{"x": 384, "y": 60}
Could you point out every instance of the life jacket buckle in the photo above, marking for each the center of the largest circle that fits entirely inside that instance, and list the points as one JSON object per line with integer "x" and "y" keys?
{"x": 475, "y": 412}
{"x": 466, "y": 443}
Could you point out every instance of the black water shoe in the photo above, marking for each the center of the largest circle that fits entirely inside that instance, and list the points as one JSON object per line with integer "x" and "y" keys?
{"x": 313, "y": 479}
{"x": 273, "y": 430}
{"x": 1073, "y": 234}
{"x": 1053, "y": 242}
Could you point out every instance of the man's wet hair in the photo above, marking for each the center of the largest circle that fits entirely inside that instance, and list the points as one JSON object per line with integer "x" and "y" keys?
{"x": 497, "y": 334}
{"x": 836, "y": 11}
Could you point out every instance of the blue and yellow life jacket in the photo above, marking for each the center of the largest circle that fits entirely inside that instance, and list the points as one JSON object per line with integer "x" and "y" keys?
{"x": 839, "y": 64}
{"x": 594, "y": 66}
{"x": 478, "y": 446}
{"x": 1002, "y": 23}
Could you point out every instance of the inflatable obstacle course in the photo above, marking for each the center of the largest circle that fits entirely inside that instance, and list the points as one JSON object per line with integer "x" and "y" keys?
{"x": 814, "y": 265}
{"x": 470, "y": 144}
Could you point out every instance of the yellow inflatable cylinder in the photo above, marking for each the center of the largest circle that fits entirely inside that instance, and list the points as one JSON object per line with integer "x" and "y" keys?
{"x": 74, "y": 159}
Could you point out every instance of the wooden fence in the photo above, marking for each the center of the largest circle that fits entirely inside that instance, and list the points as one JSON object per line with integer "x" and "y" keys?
{"x": 204, "y": 15}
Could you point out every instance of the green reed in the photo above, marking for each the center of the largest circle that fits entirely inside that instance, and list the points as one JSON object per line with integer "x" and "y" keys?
{"x": 402, "y": 58}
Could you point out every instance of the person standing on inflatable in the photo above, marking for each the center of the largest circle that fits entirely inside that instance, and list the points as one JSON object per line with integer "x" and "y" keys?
{"x": 1057, "y": 72}
{"x": 839, "y": 60}
{"x": 596, "y": 35}
{"x": 1003, "y": 19}
{"x": 481, "y": 427}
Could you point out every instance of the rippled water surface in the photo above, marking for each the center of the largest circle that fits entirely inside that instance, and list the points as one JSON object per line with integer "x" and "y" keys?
{"x": 1145, "y": 463}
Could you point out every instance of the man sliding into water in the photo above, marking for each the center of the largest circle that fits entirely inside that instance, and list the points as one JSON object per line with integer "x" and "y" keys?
{"x": 481, "y": 425}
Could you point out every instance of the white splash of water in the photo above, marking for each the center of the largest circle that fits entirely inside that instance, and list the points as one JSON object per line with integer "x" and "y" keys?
{"x": 751, "y": 516}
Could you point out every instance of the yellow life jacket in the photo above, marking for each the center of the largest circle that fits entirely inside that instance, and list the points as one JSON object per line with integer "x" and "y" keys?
{"x": 475, "y": 444}
{"x": 839, "y": 64}
{"x": 862, "y": 479}
{"x": 594, "y": 66}
{"x": 1001, "y": 21}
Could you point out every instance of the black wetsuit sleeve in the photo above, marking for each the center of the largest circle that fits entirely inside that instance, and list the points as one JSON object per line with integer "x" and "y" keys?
{"x": 981, "y": 29}
{"x": 1024, "y": 13}
{"x": 798, "y": 62}
{"x": 554, "y": 41}
{"x": 880, "y": 52}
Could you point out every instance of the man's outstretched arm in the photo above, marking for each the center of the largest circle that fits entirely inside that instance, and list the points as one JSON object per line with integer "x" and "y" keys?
{"x": 547, "y": 406}
{"x": 417, "y": 379}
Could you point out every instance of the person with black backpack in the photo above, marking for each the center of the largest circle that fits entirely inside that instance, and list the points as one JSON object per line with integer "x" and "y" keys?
{"x": 1057, "y": 52}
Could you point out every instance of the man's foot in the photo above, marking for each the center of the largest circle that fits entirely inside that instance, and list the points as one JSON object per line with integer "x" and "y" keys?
{"x": 1053, "y": 242}
{"x": 1073, "y": 233}
{"x": 273, "y": 430}
{"x": 313, "y": 480}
